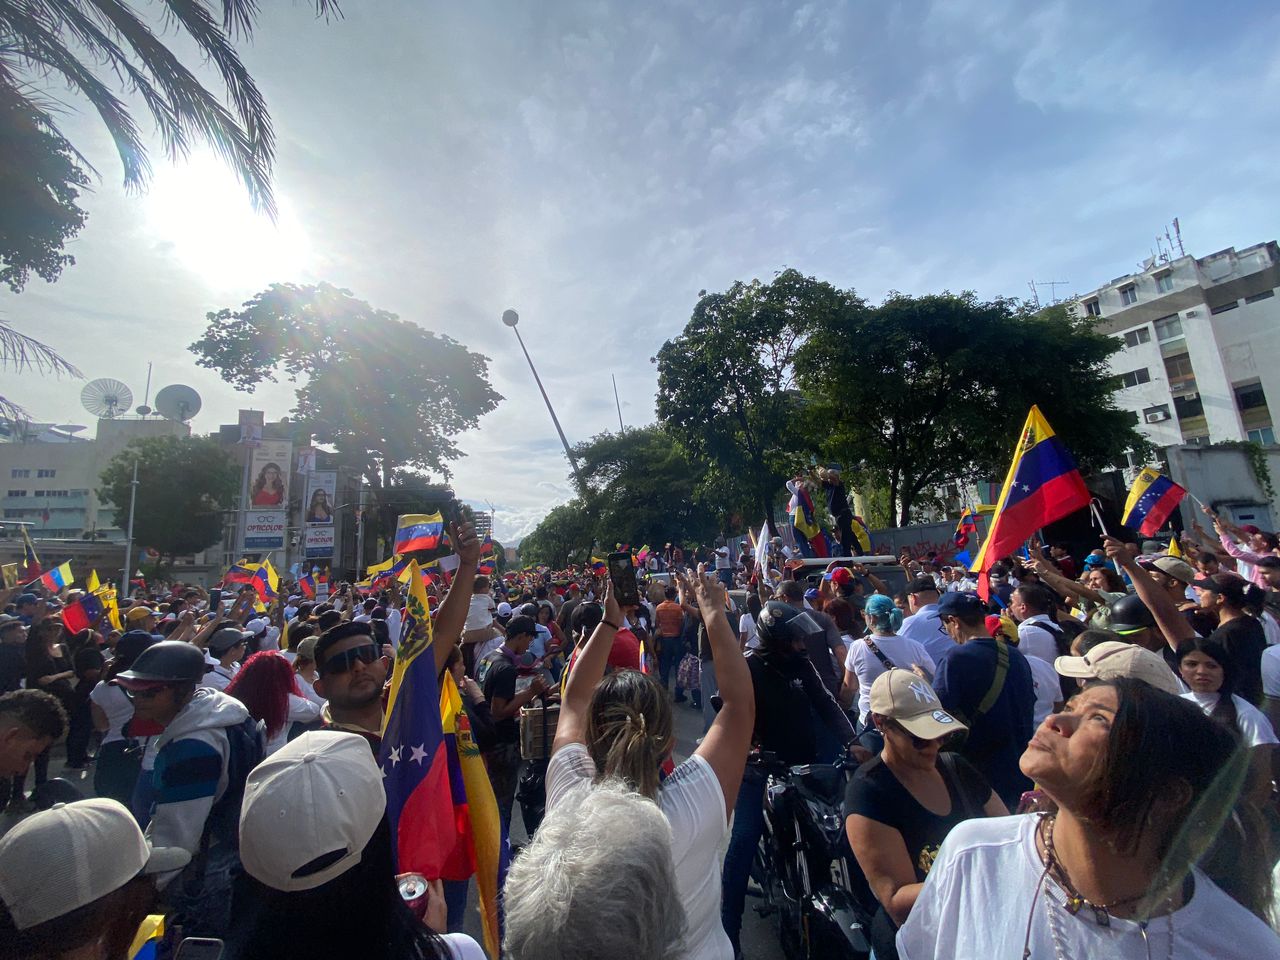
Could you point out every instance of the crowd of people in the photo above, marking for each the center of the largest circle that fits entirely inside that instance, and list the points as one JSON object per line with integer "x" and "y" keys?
{"x": 1079, "y": 762}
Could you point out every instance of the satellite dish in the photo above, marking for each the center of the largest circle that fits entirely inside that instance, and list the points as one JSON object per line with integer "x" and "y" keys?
{"x": 177, "y": 402}
{"x": 106, "y": 398}
{"x": 70, "y": 427}
{"x": 143, "y": 410}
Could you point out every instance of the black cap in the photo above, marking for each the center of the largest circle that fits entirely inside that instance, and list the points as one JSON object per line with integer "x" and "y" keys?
{"x": 226, "y": 638}
{"x": 1232, "y": 586}
{"x": 169, "y": 661}
{"x": 522, "y": 625}
{"x": 922, "y": 585}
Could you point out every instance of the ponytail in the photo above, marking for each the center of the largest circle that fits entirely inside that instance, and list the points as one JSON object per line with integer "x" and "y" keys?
{"x": 630, "y": 730}
{"x": 884, "y": 613}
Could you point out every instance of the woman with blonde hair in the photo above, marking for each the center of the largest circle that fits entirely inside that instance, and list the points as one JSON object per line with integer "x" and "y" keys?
{"x": 620, "y": 728}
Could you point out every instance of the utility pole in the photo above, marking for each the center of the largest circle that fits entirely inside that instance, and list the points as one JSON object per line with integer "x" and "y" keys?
{"x": 128, "y": 543}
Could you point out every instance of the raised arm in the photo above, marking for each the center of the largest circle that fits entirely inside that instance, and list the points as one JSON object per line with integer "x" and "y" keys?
{"x": 587, "y": 670}
{"x": 727, "y": 743}
{"x": 1171, "y": 622}
{"x": 453, "y": 608}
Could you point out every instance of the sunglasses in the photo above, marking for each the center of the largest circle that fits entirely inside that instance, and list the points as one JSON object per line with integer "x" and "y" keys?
{"x": 918, "y": 742}
{"x": 342, "y": 662}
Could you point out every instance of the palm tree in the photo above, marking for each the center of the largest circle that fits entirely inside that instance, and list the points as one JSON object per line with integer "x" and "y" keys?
{"x": 106, "y": 51}
{"x": 18, "y": 352}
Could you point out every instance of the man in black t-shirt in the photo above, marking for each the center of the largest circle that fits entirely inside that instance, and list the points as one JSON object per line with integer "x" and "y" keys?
{"x": 504, "y": 688}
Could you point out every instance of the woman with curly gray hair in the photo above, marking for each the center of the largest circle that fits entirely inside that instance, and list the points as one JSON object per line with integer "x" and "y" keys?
{"x": 596, "y": 882}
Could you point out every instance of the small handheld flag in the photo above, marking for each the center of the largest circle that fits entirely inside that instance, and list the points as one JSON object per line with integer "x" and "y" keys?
{"x": 418, "y": 531}
{"x": 967, "y": 525}
{"x": 31, "y": 562}
{"x": 93, "y": 584}
{"x": 1152, "y": 499}
{"x": 83, "y": 614}
{"x": 1175, "y": 548}
{"x": 57, "y": 578}
{"x": 862, "y": 534}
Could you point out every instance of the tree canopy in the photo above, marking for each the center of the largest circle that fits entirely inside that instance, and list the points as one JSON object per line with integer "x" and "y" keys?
{"x": 563, "y": 537}
{"x": 924, "y": 390}
{"x": 185, "y": 484}
{"x": 726, "y": 387}
{"x": 109, "y": 54}
{"x": 388, "y": 394}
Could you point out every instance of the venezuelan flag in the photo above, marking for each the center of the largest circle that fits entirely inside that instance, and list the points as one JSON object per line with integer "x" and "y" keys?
{"x": 371, "y": 573}
{"x": 93, "y": 584}
{"x": 966, "y": 526}
{"x": 83, "y": 614}
{"x": 241, "y": 572}
{"x": 58, "y": 577}
{"x": 307, "y": 584}
{"x": 418, "y": 531}
{"x": 805, "y": 521}
{"x": 487, "y": 548}
{"x": 1151, "y": 500}
{"x": 413, "y": 758}
{"x": 862, "y": 534}
{"x": 480, "y": 847}
{"x": 266, "y": 581}
{"x": 30, "y": 562}
{"x": 598, "y": 566}
{"x": 1043, "y": 485}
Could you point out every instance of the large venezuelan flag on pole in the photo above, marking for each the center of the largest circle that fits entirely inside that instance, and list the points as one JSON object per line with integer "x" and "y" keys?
{"x": 415, "y": 764}
{"x": 481, "y": 847}
{"x": 1043, "y": 485}
{"x": 418, "y": 531}
{"x": 1153, "y": 498}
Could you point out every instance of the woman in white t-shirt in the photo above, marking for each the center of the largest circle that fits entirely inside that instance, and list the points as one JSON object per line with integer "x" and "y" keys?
{"x": 747, "y": 636}
{"x": 620, "y": 728}
{"x": 881, "y": 649}
{"x": 1206, "y": 669}
{"x": 1108, "y": 874}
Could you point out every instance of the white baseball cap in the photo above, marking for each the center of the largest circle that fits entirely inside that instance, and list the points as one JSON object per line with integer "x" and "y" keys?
{"x": 504, "y": 609}
{"x": 318, "y": 795}
{"x": 67, "y": 857}
{"x": 1115, "y": 659}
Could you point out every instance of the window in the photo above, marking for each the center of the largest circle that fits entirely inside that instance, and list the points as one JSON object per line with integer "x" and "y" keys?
{"x": 1262, "y": 435}
{"x": 1164, "y": 282}
{"x": 1223, "y": 308}
{"x": 1264, "y": 295}
{"x": 1168, "y": 327}
{"x": 1135, "y": 377}
{"x": 1182, "y": 378}
{"x": 1093, "y": 308}
{"x": 1249, "y": 396}
{"x": 46, "y": 474}
{"x": 1135, "y": 337}
{"x": 17, "y": 474}
{"x": 1187, "y": 407}
{"x": 1129, "y": 294}
{"x": 78, "y": 493}
{"x": 1197, "y": 441}
{"x": 17, "y": 493}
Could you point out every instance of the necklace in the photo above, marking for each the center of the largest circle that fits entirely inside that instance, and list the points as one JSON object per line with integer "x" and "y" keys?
{"x": 1075, "y": 901}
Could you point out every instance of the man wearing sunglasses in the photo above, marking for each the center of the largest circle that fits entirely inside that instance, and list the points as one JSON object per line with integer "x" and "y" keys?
{"x": 205, "y": 751}
{"x": 351, "y": 673}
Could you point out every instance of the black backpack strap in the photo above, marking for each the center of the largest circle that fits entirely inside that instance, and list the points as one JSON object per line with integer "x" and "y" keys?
{"x": 871, "y": 645}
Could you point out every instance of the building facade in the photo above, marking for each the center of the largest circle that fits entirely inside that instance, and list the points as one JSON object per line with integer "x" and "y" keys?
{"x": 1200, "y": 361}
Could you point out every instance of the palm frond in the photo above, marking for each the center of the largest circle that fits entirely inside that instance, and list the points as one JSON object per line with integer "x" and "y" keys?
{"x": 20, "y": 352}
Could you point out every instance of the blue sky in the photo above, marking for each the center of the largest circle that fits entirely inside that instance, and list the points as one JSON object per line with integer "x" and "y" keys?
{"x": 594, "y": 165}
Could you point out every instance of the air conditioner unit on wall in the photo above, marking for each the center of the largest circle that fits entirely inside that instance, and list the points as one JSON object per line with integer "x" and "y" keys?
{"x": 1158, "y": 417}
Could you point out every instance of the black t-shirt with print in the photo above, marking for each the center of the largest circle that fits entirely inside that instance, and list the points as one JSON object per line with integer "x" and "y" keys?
{"x": 497, "y": 678}
{"x": 875, "y": 793}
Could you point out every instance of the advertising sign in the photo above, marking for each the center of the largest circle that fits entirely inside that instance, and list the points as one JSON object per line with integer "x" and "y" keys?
{"x": 269, "y": 475}
{"x": 318, "y": 541}
{"x": 321, "y": 497}
{"x": 264, "y": 529}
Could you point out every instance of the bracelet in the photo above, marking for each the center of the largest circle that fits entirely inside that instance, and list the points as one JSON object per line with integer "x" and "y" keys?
{"x": 608, "y": 624}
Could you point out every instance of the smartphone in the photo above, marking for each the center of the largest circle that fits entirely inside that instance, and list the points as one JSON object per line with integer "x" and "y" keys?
{"x": 199, "y": 948}
{"x": 623, "y": 574}
{"x": 215, "y": 600}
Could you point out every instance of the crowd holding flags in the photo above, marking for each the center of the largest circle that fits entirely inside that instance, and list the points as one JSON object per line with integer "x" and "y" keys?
{"x": 1151, "y": 500}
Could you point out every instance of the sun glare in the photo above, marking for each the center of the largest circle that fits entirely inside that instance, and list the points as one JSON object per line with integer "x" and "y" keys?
{"x": 201, "y": 213}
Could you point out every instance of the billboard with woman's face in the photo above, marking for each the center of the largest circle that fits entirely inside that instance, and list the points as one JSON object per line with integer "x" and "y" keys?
{"x": 321, "y": 495}
{"x": 269, "y": 474}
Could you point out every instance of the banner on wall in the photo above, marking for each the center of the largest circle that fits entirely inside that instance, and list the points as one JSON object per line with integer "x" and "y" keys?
{"x": 321, "y": 497}
{"x": 318, "y": 541}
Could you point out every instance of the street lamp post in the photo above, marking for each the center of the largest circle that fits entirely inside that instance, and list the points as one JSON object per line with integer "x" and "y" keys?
{"x": 511, "y": 318}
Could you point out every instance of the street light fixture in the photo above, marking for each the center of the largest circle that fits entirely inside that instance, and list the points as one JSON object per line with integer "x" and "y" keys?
{"x": 511, "y": 319}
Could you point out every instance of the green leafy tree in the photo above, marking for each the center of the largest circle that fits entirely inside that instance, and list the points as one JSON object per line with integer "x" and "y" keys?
{"x": 185, "y": 484}
{"x": 645, "y": 489}
{"x": 563, "y": 537}
{"x": 388, "y": 394}
{"x": 108, "y": 53}
{"x": 726, "y": 385}
{"x": 920, "y": 391}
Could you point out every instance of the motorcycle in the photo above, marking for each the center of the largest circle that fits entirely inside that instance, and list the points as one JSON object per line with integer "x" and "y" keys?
{"x": 807, "y": 873}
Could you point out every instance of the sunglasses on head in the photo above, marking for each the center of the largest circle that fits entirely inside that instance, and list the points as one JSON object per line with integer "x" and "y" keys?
{"x": 366, "y": 653}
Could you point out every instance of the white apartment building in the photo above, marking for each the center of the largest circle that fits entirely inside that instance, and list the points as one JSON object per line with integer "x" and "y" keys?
{"x": 1201, "y": 354}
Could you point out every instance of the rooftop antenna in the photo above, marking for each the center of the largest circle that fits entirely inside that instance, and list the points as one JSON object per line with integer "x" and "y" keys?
{"x": 106, "y": 398}
{"x": 143, "y": 410}
{"x": 1177, "y": 233}
{"x": 1053, "y": 286}
{"x": 1035, "y": 294}
{"x": 177, "y": 402}
{"x": 618, "y": 404}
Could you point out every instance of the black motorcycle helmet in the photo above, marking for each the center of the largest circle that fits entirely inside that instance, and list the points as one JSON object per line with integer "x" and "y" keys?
{"x": 1129, "y": 615}
{"x": 785, "y": 629}
{"x": 170, "y": 661}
